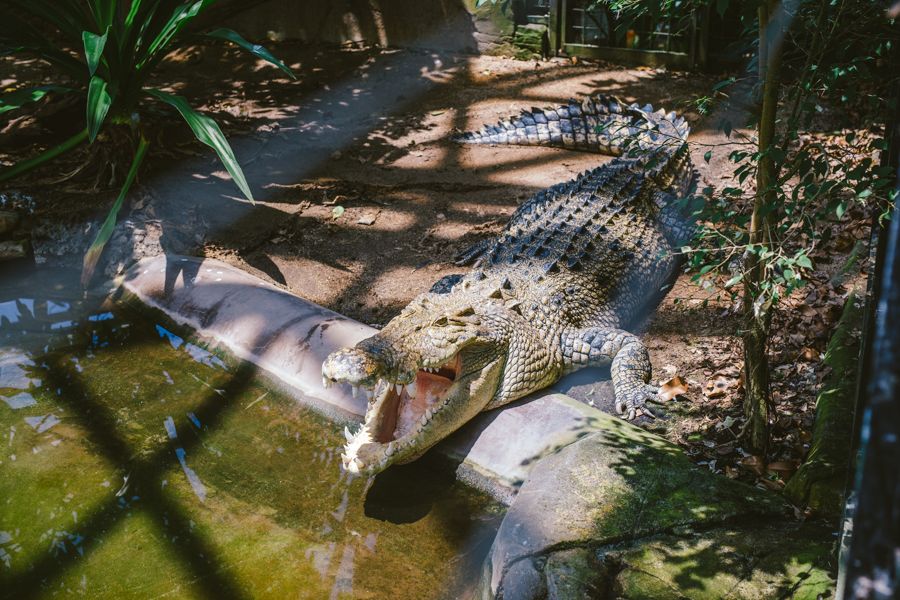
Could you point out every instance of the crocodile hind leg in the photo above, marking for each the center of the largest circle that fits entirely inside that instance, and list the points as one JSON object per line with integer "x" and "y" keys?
{"x": 630, "y": 364}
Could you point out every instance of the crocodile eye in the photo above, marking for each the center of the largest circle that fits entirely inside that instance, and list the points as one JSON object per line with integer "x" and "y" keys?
{"x": 441, "y": 321}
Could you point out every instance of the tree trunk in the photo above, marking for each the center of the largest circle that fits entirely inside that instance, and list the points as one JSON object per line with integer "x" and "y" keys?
{"x": 820, "y": 481}
{"x": 757, "y": 308}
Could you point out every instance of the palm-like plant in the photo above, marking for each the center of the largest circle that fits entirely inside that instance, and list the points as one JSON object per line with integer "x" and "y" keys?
{"x": 109, "y": 48}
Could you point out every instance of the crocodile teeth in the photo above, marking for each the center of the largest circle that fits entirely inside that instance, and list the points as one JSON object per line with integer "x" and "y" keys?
{"x": 325, "y": 383}
{"x": 399, "y": 388}
{"x": 347, "y": 434}
{"x": 391, "y": 448}
{"x": 354, "y": 389}
{"x": 411, "y": 389}
{"x": 428, "y": 414}
{"x": 369, "y": 394}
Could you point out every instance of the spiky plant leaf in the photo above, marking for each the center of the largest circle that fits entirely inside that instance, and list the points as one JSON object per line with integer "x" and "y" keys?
{"x": 207, "y": 131}
{"x": 98, "y": 103}
{"x": 180, "y": 17}
{"x": 104, "y": 11}
{"x": 92, "y": 256}
{"x": 93, "y": 48}
{"x": 19, "y": 98}
{"x": 255, "y": 49}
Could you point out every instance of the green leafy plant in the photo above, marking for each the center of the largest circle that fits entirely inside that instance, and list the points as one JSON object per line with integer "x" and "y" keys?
{"x": 756, "y": 243}
{"x": 108, "y": 49}
{"x": 809, "y": 54}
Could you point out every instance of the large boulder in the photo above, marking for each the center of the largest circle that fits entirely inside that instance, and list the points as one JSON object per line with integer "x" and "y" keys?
{"x": 587, "y": 510}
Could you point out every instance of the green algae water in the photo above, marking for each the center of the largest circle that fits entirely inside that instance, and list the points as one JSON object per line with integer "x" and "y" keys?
{"x": 134, "y": 463}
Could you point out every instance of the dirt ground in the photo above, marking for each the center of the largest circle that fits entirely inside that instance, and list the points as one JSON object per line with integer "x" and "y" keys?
{"x": 362, "y": 201}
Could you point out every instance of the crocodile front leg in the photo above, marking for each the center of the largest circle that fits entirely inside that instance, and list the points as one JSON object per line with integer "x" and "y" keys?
{"x": 630, "y": 367}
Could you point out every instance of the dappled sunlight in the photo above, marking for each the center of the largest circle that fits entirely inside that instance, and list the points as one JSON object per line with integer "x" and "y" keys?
{"x": 479, "y": 210}
{"x": 392, "y": 158}
{"x": 563, "y": 170}
{"x": 614, "y": 82}
{"x": 329, "y": 284}
{"x": 391, "y": 286}
{"x": 138, "y": 455}
{"x": 664, "y": 525}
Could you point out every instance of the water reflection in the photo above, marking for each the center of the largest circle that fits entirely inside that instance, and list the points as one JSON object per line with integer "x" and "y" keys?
{"x": 20, "y": 400}
{"x": 137, "y": 461}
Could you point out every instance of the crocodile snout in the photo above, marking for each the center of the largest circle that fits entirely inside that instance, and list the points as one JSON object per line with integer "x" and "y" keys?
{"x": 351, "y": 365}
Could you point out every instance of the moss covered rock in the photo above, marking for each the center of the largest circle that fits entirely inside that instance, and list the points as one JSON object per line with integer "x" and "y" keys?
{"x": 782, "y": 560}
{"x": 819, "y": 483}
{"x": 613, "y": 508}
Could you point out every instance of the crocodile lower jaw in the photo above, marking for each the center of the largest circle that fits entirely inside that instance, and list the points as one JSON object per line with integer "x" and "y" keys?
{"x": 400, "y": 426}
{"x": 397, "y": 415}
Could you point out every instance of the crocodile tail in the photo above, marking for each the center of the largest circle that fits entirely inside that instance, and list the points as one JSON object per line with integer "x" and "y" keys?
{"x": 601, "y": 124}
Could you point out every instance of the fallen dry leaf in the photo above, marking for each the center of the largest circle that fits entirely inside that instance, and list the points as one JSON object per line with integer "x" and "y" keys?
{"x": 754, "y": 463}
{"x": 676, "y": 386}
{"x": 797, "y": 338}
{"x": 808, "y": 354}
{"x": 785, "y": 468}
{"x": 808, "y": 311}
{"x": 367, "y": 219}
{"x": 719, "y": 387}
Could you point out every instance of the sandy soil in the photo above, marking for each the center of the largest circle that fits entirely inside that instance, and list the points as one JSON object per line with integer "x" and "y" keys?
{"x": 370, "y": 132}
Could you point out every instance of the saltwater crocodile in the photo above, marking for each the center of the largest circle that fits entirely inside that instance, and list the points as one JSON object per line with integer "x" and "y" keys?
{"x": 554, "y": 292}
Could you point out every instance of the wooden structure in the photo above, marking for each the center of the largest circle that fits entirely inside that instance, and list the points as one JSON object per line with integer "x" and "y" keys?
{"x": 590, "y": 29}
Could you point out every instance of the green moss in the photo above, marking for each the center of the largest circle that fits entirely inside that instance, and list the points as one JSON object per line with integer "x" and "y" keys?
{"x": 777, "y": 560}
{"x": 820, "y": 481}
{"x": 574, "y": 573}
{"x": 657, "y": 487}
{"x": 638, "y": 585}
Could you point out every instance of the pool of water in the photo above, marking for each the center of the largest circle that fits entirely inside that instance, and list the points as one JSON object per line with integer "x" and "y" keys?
{"x": 135, "y": 463}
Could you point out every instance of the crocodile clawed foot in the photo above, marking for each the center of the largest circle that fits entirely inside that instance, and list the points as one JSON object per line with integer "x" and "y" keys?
{"x": 634, "y": 403}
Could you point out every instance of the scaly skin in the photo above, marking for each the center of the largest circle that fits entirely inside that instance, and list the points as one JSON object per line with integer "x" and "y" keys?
{"x": 554, "y": 292}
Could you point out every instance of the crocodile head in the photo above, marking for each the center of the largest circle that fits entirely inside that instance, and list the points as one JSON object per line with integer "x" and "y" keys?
{"x": 429, "y": 371}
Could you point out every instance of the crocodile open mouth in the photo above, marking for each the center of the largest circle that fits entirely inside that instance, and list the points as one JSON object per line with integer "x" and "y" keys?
{"x": 407, "y": 405}
{"x": 398, "y": 413}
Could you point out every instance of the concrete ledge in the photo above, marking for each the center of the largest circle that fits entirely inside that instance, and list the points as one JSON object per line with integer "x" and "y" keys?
{"x": 256, "y": 321}
{"x": 289, "y": 338}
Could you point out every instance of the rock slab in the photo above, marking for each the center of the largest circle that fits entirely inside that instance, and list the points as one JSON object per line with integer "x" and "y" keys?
{"x": 619, "y": 488}
{"x": 256, "y": 321}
